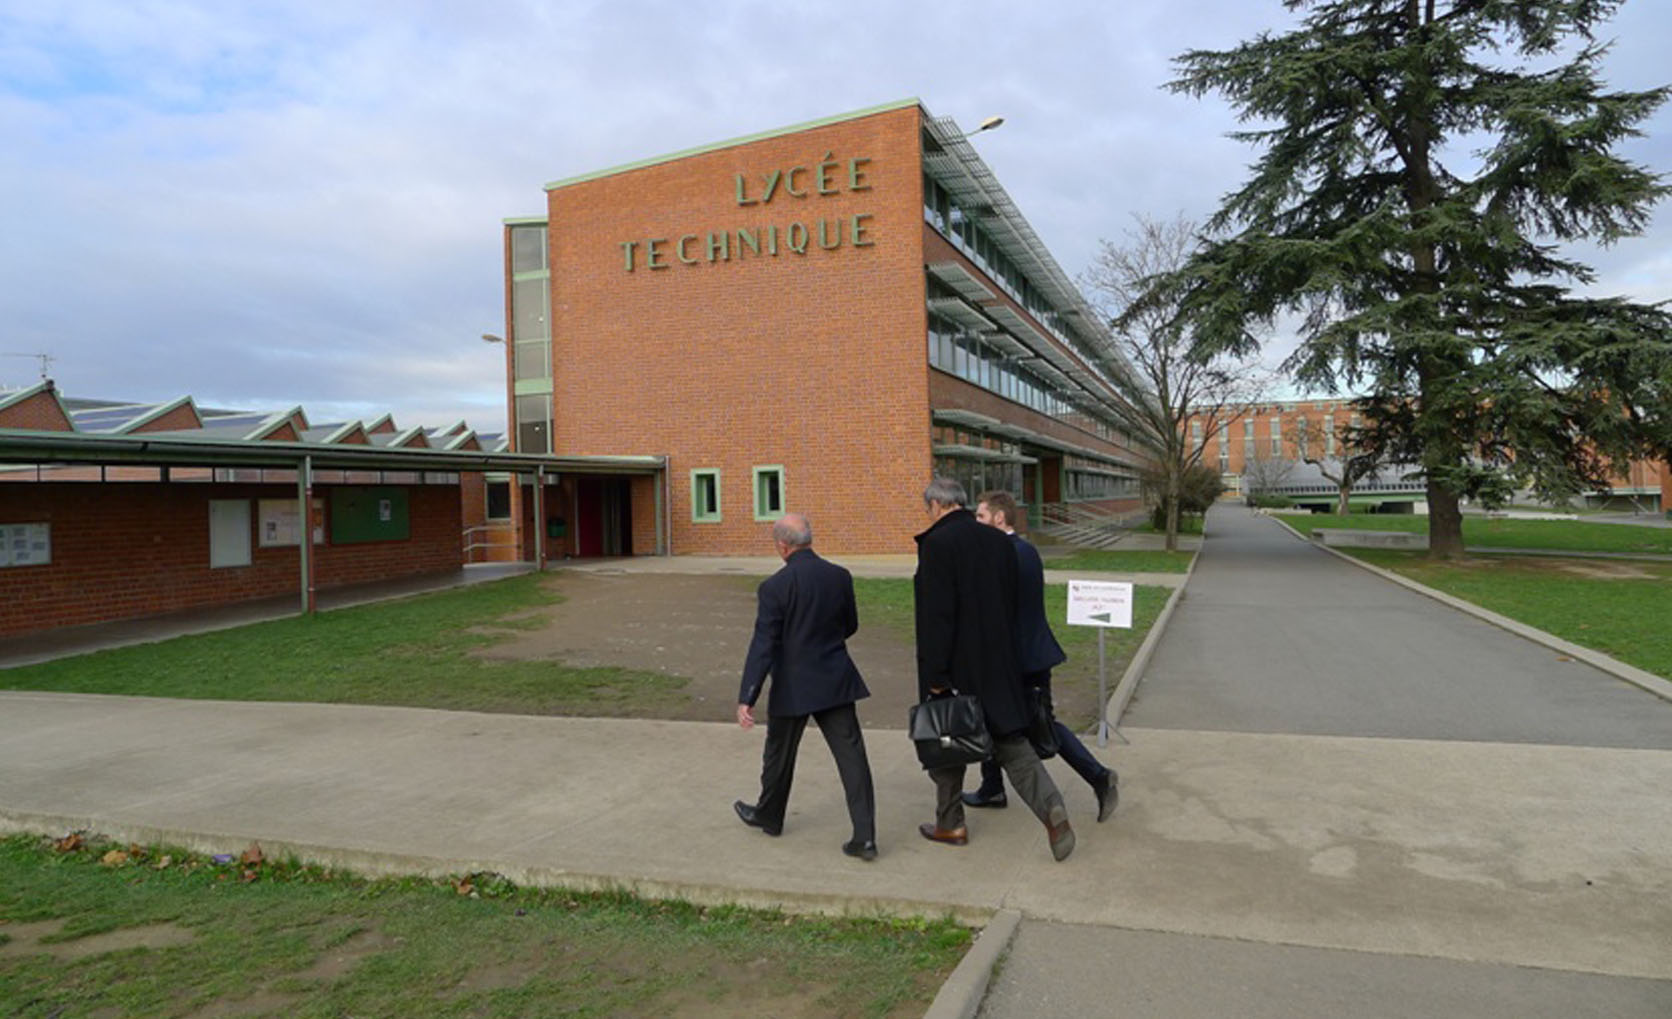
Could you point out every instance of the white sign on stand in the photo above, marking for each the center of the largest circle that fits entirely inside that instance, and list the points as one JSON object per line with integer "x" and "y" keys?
{"x": 1100, "y": 603}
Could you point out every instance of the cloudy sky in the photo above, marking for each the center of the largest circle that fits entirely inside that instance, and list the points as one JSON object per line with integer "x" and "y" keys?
{"x": 263, "y": 204}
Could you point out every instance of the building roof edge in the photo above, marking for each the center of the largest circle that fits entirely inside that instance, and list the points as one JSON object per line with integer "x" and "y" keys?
{"x": 732, "y": 142}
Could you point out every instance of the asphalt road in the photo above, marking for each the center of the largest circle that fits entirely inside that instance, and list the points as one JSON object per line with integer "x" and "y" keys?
{"x": 1274, "y": 635}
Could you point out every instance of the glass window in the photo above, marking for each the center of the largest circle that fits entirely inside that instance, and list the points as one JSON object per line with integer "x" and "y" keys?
{"x": 705, "y": 496}
{"x": 528, "y": 248}
{"x": 499, "y": 500}
{"x": 528, "y": 309}
{"x": 534, "y": 423}
{"x": 769, "y": 492}
{"x": 531, "y": 360}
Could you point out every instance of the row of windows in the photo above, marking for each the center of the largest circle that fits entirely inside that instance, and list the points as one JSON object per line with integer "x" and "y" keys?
{"x": 767, "y": 482}
{"x": 959, "y": 352}
{"x": 943, "y": 213}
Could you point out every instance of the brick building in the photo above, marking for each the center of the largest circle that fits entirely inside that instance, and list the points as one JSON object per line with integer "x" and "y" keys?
{"x": 816, "y": 318}
{"x": 112, "y": 510}
{"x": 1277, "y": 431}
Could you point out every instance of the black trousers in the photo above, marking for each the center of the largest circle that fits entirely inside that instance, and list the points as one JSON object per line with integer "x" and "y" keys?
{"x": 840, "y": 726}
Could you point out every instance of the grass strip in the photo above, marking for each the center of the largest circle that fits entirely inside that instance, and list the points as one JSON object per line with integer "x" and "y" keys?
{"x": 236, "y": 937}
{"x": 415, "y": 652}
{"x": 1618, "y": 608}
{"x": 1505, "y": 532}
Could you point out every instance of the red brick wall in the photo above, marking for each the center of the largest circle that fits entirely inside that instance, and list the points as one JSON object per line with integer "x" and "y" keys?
{"x": 948, "y": 392}
{"x": 812, "y": 361}
{"x": 40, "y": 412}
{"x": 180, "y": 418}
{"x": 126, "y": 550}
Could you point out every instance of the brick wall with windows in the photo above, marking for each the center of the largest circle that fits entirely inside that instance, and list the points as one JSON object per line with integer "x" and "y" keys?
{"x": 127, "y": 550}
{"x": 813, "y": 361}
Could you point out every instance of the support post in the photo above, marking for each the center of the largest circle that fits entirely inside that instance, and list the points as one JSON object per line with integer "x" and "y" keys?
{"x": 539, "y": 518}
{"x": 1102, "y": 693}
{"x": 304, "y": 541}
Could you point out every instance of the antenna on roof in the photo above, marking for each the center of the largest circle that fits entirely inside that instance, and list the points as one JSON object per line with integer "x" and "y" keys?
{"x": 45, "y": 359}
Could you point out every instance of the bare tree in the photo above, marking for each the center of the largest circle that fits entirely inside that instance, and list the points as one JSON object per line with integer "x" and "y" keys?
{"x": 1166, "y": 384}
{"x": 1342, "y": 461}
{"x": 1264, "y": 474}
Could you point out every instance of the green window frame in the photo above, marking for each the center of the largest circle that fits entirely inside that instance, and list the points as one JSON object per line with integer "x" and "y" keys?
{"x": 705, "y": 495}
{"x": 769, "y": 491}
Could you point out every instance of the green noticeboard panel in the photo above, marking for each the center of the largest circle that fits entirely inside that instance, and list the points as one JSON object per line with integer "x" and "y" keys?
{"x": 369, "y": 514}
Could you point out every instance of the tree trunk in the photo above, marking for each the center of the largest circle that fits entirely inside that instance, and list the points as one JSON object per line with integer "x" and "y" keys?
{"x": 1173, "y": 486}
{"x": 1342, "y": 506}
{"x": 1445, "y": 524}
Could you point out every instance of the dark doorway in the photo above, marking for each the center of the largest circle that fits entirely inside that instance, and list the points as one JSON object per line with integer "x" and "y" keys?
{"x": 604, "y": 518}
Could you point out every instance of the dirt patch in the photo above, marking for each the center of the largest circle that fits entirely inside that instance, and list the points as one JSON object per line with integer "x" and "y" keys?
{"x": 26, "y": 939}
{"x": 337, "y": 960}
{"x": 697, "y": 627}
{"x": 1591, "y": 569}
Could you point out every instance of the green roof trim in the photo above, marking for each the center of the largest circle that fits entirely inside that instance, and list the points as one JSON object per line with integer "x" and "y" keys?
{"x": 732, "y": 142}
{"x": 524, "y": 221}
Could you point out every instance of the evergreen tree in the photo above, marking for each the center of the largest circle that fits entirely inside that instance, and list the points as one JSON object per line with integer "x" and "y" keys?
{"x": 1422, "y": 162}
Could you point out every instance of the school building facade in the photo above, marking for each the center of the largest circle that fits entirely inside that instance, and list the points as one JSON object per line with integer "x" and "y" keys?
{"x": 818, "y": 319}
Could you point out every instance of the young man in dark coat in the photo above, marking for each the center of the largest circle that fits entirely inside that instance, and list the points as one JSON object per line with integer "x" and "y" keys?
{"x": 806, "y": 614}
{"x": 1037, "y": 652}
{"x": 965, "y": 594}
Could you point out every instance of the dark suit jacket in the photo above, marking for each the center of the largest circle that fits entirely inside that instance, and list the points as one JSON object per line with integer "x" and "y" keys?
{"x": 965, "y": 593}
{"x": 806, "y": 614}
{"x": 1036, "y": 646}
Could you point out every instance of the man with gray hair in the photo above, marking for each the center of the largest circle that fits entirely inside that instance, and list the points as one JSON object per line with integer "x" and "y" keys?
{"x": 806, "y": 612}
{"x": 965, "y": 595}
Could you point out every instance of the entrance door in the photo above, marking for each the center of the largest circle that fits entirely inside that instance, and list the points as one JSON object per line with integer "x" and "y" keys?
{"x": 604, "y": 514}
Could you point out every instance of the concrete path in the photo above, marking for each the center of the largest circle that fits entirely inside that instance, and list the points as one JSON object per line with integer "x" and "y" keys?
{"x": 1274, "y": 635}
{"x": 1557, "y": 857}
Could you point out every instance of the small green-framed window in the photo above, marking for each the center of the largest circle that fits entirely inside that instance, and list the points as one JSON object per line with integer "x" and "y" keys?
{"x": 769, "y": 492}
{"x": 705, "y": 496}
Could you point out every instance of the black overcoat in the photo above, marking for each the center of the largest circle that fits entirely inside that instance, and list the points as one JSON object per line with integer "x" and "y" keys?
{"x": 965, "y": 593}
{"x": 805, "y": 615}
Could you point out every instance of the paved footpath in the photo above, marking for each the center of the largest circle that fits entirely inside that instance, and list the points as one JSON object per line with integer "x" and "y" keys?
{"x": 1386, "y": 804}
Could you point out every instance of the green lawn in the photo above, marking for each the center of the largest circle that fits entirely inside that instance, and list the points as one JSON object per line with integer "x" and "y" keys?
{"x": 1480, "y": 532}
{"x": 1616, "y": 607}
{"x": 413, "y": 652}
{"x": 230, "y": 939}
{"x": 888, "y": 603}
{"x": 1137, "y": 560}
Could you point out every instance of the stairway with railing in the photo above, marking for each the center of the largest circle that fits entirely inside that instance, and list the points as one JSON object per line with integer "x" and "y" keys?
{"x": 1085, "y": 526}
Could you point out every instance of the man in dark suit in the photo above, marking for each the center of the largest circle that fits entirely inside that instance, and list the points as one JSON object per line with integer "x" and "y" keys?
{"x": 965, "y": 594}
{"x": 806, "y": 614}
{"x": 1037, "y": 651}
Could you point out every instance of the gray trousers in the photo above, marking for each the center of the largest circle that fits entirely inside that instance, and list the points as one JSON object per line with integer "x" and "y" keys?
{"x": 1024, "y": 768}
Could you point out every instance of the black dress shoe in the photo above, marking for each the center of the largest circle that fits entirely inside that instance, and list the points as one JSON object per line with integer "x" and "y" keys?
{"x": 1107, "y": 788}
{"x": 863, "y": 850}
{"x": 751, "y": 817}
{"x": 981, "y": 799}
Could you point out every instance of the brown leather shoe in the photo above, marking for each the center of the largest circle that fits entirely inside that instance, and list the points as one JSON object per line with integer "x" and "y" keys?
{"x": 1060, "y": 833}
{"x": 955, "y": 837}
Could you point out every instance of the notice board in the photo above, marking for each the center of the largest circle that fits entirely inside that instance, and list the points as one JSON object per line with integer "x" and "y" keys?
{"x": 369, "y": 513}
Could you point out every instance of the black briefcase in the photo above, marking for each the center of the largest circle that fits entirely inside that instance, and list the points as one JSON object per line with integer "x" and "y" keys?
{"x": 950, "y": 731}
{"x": 1042, "y": 731}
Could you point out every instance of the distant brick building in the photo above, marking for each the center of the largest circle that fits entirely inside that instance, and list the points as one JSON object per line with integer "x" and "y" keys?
{"x": 1277, "y": 430}
{"x": 817, "y": 318}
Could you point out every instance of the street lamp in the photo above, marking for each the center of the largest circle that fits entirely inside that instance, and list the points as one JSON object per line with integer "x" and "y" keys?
{"x": 491, "y": 338}
{"x": 988, "y": 125}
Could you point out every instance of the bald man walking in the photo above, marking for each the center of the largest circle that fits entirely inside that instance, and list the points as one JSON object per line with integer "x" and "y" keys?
{"x": 806, "y": 614}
